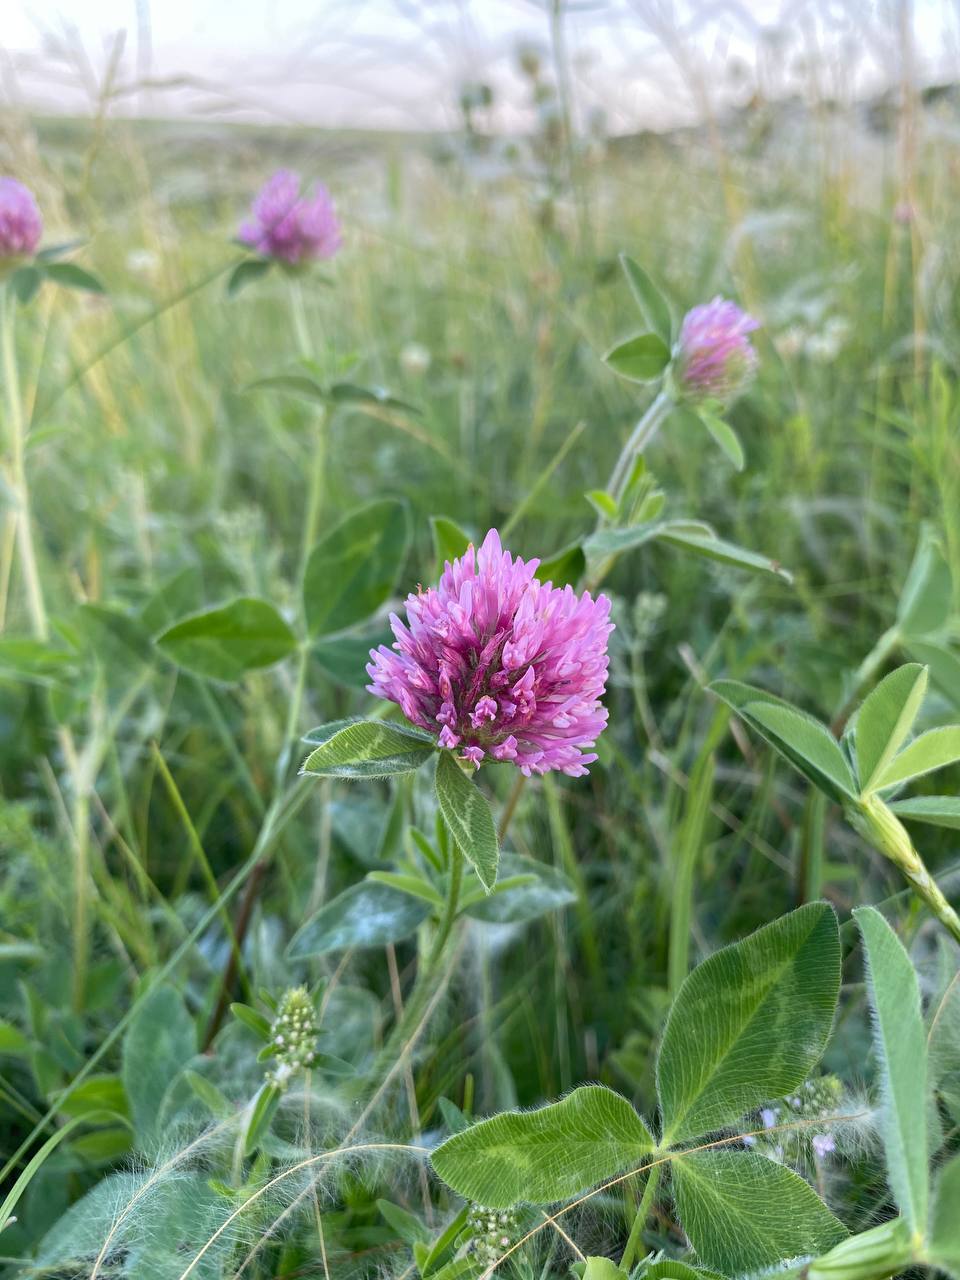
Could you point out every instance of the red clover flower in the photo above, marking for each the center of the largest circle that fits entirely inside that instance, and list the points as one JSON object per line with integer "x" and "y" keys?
{"x": 714, "y": 358}
{"x": 500, "y": 664}
{"x": 289, "y": 225}
{"x": 21, "y": 225}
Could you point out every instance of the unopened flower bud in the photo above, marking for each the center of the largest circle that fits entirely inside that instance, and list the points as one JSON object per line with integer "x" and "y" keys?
{"x": 493, "y": 1232}
{"x": 294, "y": 1036}
{"x": 714, "y": 358}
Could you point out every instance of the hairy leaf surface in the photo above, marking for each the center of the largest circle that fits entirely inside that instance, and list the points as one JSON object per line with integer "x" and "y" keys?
{"x": 886, "y": 718}
{"x": 933, "y": 750}
{"x": 745, "y": 1213}
{"x": 354, "y": 569}
{"x": 366, "y": 749}
{"x": 545, "y": 1155}
{"x": 368, "y": 914}
{"x": 159, "y": 1042}
{"x": 749, "y": 1023}
{"x": 807, "y": 744}
{"x": 938, "y": 811}
{"x": 945, "y": 1225}
{"x": 901, "y": 1048}
{"x": 466, "y": 812}
{"x": 653, "y": 305}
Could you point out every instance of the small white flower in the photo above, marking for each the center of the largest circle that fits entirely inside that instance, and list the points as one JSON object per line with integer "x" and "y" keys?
{"x": 415, "y": 359}
{"x": 792, "y": 341}
{"x": 142, "y": 262}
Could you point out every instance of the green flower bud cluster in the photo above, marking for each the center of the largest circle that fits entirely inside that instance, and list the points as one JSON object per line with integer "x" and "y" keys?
{"x": 817, "y": 1097}
{"x": 293, "y": 1037}
{"x": 493, "y": 1232}
{"x": 648, "y": 609}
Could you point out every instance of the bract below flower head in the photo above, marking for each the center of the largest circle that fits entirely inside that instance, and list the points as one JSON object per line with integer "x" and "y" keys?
{"x": 501, "y": 665}
{"x": 289, "y": 225}
{"x": 715, "y": 359}
{"x": 21, "y": 224}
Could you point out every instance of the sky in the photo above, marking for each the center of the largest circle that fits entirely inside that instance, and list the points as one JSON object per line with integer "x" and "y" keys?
{"x": 399, "y": 64}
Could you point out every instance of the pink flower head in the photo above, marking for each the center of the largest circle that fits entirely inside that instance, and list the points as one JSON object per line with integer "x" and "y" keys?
{"x": 290, "y": 226}
{"x": 715, "y": 360}
{"x": 21, "y": 225}
{"x": 499, "y": 664}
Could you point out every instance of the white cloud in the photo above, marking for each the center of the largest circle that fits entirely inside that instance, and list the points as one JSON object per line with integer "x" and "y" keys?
{"x": 399, "y": 63}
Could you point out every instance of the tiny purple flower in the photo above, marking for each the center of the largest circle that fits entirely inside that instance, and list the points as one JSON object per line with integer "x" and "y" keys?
{"x": 499, "y": 664}
{"x": 21, "y": 225}
{"x": 714, "y": 358}
{"x": 291, "y": 226}
{"x": 823, "y": 1145}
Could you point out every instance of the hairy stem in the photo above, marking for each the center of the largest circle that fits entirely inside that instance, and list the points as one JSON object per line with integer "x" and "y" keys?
{"x": 40, "y": 626}
{"x": 450, "y": 907}
{"x": 311, "y": 522}
{"x": 429, "y": 975}
{"x": 259, "y": 869}
{"x": 642, "y": 435}
{"x": 510, "y": 808}
{"x": 686, "y": 854}
{"x": 640, "y": 1219}
{"x": 18, "y": 473}
{"x": 318, "y": 464}
{"x": 881, "y": 827}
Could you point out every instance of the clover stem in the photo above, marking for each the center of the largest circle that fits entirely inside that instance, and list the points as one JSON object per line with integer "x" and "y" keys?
{"x": 450, "y": 907}
{"x": 291, "y": 733}
{"x": 17, "y": 440}
{"x": 265, "y": 844}
{"x": 883, "y": 829}
{"x": 642, "y": 435}
{"x": 428, "y": 980}
{"x": 510, "y": 808}
{"x": 318, "y": 466}
{"x": 40, "y": 625}
{"x": 640, "y": 1219}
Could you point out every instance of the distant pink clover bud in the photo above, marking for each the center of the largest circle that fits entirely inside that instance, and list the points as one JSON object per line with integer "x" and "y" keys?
{"x": 500, "y": 665}
{"x": 21, "y": 225}
{"x": 289, "y": 226}
{"x": 714, "y": 358}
